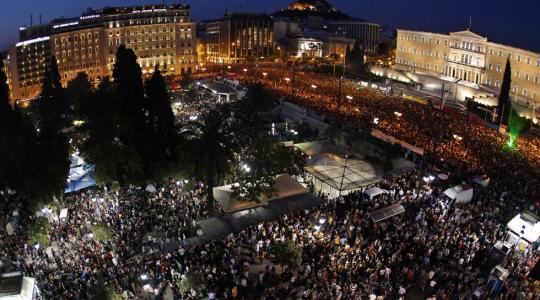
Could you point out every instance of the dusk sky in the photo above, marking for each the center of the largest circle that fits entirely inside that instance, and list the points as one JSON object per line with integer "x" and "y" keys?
{"x": 513, "y": 22}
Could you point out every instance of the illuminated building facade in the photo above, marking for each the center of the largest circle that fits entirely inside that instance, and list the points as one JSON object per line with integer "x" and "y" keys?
{"x": 159, "y": 35}
{"x": 238, "y": 36}
{"x": 470, "y": 59}
{"x": 366, "y": 33}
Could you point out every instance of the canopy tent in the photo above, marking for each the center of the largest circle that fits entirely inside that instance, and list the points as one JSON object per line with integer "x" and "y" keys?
{"x": 462, "y": 193}
{"x": 374, "y": 191}
{"x": 79, "y": 182}
{"x": 216, "y": 227}
{"x": 387, "y": 212}
{"x": 15, "y": 286}
{"x": 284, "y": 187}
{"x": 319, "y": 147}
{"x": 151, "y": 188}
{"x": 80, "y": 175}
{"x": 526, "y": 225}
{"x": 334, "y": 174}
{"x": 75, "y": 160}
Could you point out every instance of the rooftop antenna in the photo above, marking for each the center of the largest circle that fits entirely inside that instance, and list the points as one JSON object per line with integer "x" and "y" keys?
{"x": 31, "y": 20}
{"x": 470, "y": 22}
{"x": 39, "y": 19}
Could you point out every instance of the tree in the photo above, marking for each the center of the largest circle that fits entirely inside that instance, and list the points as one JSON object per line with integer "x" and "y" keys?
{"x": 286, "y": 253}
{"x": 261, "y": 162}
{"x": 115, "y": 156}
{"x": 504, "y": 104}
{"x": 80, "y": 92}
{"x": 18, "y": 150}
{"x": 212, "y": 148}
{"x": 191, "y": 281}
{"x": 186, "y": 81}
{"x": 164, "y": 135}
{"x": 51, "y": 116}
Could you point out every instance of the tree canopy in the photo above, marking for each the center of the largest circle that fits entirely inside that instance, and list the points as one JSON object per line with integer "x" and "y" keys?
{"x": 504, "y": 103}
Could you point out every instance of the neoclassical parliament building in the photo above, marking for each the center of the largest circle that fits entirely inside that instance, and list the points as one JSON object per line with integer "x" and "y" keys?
{"x": 470, "y": 59}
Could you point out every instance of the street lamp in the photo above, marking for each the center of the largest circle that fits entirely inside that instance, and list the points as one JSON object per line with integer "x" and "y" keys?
{"x": 264, "y": 74}
{"x": 287, "y": 79}
{"x": 398, "y": 114}
{"x": 457, "y": 137}
{"x": 349, "y": 97}
{"x": 313, "y": 86}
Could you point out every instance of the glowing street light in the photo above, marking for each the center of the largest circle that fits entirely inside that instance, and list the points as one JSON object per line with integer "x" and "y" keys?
{"x": 457, "y": 137}
{"x": 398, "y": 114}
{"x": 349, "y": 97}
{"x": 376, "y": 120}
{"x": 287, "y": 79}
{"x": 229, "y": 67}
{"x": 264, "y": 74}
{"x": 313, "y": 86}
{"x": 245, "y": 70}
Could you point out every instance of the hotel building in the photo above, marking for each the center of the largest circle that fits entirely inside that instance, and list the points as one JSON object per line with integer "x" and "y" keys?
{"x": 159, "y": 35}
{"x": 470, "y": 59}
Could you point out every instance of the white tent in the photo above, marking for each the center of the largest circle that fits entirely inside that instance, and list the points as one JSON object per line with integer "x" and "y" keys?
{"x": 374, "y": 191}
{"x": 14, "y": 286}
{"x": 526, "y": 227}
{"x": 334, "y": 174}
{"x": 151, "y": 188}
{"x": 462, "y": 193}
{"x": 284, "y": 187}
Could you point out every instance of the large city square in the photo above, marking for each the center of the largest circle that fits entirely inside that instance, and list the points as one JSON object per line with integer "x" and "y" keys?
{"x": 286, "y": 150}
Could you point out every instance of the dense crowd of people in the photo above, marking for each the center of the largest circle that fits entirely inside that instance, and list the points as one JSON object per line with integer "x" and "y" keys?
{"x": 432, "y": 250}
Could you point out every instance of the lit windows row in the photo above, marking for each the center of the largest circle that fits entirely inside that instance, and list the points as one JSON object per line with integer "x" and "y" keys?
{"x": 422, "y": 39}
{"x": 518, "y": 57}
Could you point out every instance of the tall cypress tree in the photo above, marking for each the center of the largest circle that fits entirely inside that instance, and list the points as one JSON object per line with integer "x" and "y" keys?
{"x": 504, "y": 104}
{"x": 52, "y": 119}
{"x": 162, "y": 123}
{"x": 162, "y": 117}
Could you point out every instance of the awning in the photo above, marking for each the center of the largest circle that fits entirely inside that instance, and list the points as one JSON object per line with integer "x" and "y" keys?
{"x": 387, "y": 212}
{"x": 318, "y": 147}
{"x": 374, "y": 191}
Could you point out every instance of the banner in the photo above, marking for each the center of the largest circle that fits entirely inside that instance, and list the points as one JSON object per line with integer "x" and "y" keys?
{"x": 414, "y": 149}
{"x": 378, "y": 134}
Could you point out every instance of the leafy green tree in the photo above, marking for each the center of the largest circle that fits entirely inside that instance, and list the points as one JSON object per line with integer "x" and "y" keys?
{"x": 191, "y": 281}
{"x": 261, "y": 162}
{"x": 503, "y": 107}
{"x": 115, "y": 155}
{"x": 18, "y": 150}
{"x": 212, "y": 148}
{"x": 286, "y": 253}
{"x": 80, "y": 93}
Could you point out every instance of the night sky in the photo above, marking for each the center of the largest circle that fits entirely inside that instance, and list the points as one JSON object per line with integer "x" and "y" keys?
{"x": 513, "y": 22}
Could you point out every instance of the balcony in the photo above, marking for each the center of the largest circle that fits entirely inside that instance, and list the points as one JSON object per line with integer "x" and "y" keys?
{"x": 467, "y": 50}
{"x": 464, "y": 64}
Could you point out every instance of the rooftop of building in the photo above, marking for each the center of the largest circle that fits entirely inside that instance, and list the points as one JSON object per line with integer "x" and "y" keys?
{"x": 472, "y": 34}
{"x": 134, "y": 9}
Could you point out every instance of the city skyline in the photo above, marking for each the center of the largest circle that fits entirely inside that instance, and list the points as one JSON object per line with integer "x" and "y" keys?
{"x": 414, "y": 15}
